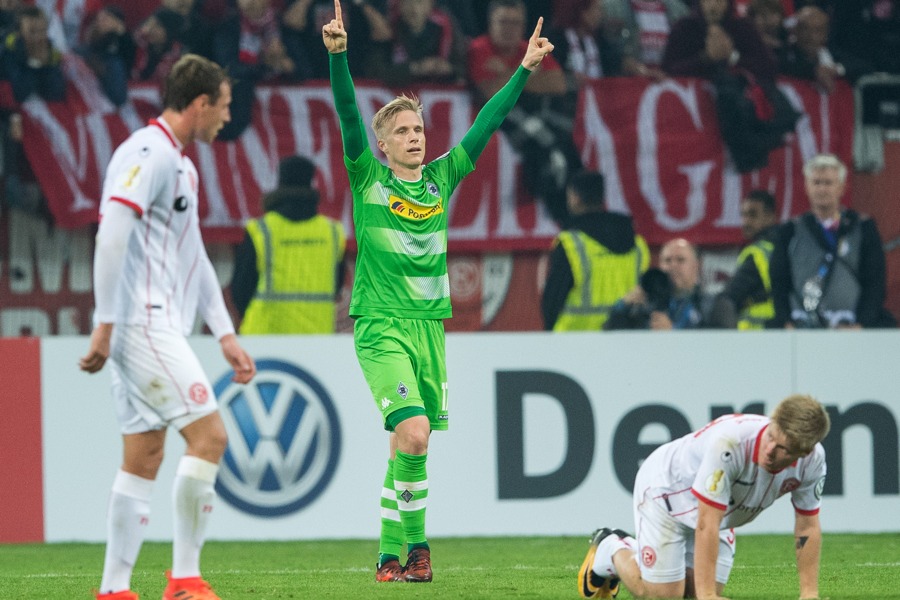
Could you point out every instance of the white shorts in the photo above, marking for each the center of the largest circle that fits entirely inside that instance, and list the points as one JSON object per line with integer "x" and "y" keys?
{"x": 665, "y": 545}
{"x": 157, "y": 380}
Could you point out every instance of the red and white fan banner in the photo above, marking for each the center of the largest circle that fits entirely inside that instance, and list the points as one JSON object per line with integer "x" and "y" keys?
{"x": 656, "y": 143}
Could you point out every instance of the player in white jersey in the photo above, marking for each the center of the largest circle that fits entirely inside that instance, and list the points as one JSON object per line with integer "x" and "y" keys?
{"x": 151, "y": 276}
{"x": 690, "y": 493}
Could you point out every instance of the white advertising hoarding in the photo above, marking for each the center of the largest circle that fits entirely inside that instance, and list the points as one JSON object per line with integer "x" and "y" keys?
{"x": 546, "y": 431}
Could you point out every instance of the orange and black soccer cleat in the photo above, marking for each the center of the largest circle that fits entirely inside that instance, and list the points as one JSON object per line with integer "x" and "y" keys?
{"x": 188, "y": 588}
{"x": 418, "y": 566}
{"x": 389, "y": 571}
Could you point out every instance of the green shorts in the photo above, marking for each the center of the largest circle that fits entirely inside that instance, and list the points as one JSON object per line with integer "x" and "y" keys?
{"x": 403, "y": 361}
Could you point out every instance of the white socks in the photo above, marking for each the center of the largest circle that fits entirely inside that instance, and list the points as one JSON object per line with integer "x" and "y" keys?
{"x": 126, "y": 522}
{"x": 193, "y": 496}
{"x": 603, "y": 562}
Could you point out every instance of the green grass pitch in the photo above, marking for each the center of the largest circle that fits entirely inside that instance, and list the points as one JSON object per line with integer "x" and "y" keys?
{"x": 853, "y": 567}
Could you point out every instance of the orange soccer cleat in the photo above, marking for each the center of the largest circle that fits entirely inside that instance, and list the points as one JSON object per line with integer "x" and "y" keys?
{"x": 389, "y": 571}
{"x": 418, "y": 566}
{"x": 188, "y": 588}
{"x": 123, "y": 595}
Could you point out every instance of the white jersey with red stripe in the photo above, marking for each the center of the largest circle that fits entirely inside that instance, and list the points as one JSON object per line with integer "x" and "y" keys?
{"x": 165, "y": 260}
{"x": 719, "y": 465}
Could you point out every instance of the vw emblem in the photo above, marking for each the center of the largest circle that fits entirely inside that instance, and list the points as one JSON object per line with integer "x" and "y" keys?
{"x": 284, "y": 440}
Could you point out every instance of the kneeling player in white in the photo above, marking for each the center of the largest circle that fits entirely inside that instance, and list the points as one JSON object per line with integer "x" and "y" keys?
{"x": 692, "y": 492}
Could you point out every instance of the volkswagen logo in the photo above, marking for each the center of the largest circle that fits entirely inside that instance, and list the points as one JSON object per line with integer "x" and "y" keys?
{"x": 284, "y": 440}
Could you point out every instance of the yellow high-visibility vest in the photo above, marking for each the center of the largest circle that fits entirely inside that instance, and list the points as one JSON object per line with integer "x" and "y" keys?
{"x": 601, "y": 278}
{"x": 296, "y": 262}
{"x": 754, "y": 316}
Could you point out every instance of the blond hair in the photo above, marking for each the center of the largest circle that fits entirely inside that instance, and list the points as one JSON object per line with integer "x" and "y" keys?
{"x": 384, "y": 118}
{"x": 803, "y": 421}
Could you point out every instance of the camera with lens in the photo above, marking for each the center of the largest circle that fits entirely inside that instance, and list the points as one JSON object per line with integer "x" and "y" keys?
{"x": 658, "y": 288}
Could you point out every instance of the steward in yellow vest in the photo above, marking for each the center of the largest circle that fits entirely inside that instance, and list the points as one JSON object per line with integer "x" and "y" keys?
{"x": 290, "y": 267}
{"x": 595, "y": 261}
{"x": 748, "y": 293}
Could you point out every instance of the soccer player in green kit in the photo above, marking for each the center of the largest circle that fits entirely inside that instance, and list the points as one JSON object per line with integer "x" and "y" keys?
{"x": 401, "y": 292}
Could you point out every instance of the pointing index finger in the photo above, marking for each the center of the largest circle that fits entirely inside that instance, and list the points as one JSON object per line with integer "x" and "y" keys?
{"x": 337, "y": 12}
{"x": 537, "y": 28}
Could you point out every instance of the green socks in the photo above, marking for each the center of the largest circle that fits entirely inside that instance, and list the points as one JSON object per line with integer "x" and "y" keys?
{"x": 391, "y": 541}
{"x": 411, "y": 487}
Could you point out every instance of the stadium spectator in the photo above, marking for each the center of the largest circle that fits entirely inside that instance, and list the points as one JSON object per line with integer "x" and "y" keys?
{"x": 807, "y": 54}
{"x": 366, "y": 20}
{"x": 157, "y": 46}
{"x": 641, "y": 29}
{"x": 713, "y": 39}
{"x": 108, "y": 49}
{"x": 595, "y": 261}
{"x": 33, "y": 66}
{"x": 768, "y": 17}
{"x": 150, "y": 196}
{"x": 401, "y": 293}
{"x": 828, "y": 264}
{"x": 249, "y": 45}
{"x": 30, "y": 61}
{"x": 581, "y": 48}
{"x": 691, "y": 493}
{"x": 754, "y": 116}
{"x": 199, "y": 21}
{"x": 426, "y": 47}
{"x": 669, "y": 297}
{"x": 289, "y": 269}
{"x": 541, "y": 135}
{"x": 746, "y": 301}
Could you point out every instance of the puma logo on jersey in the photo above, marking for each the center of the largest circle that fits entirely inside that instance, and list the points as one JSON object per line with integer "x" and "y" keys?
{"x": 414, "y": 212}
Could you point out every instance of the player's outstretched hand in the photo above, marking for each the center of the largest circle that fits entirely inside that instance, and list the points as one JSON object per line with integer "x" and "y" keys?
{"x": 333, "y": 33}
{"x": 98, "y": 352}
{"x": 538, "y": 47}
{"x": 237, "y": 357}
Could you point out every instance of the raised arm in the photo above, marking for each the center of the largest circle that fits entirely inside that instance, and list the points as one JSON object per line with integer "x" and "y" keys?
{"x": 353, "y": 130}
{"x": 495, "y": 110}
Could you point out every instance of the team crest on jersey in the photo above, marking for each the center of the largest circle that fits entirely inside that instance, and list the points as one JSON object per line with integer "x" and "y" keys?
{"x": 402, "y": 390}
{"x": 432, "y": 188}
{"x": 198, "y": 393}
{"x": 414, "y": 212}
{"x": 130, "y": 178}
{"x": 789, "y": 485}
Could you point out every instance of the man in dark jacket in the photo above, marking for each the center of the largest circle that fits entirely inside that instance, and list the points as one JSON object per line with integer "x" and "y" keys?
{"x": 828, "y": 265}
{"x": 595, "y": 261}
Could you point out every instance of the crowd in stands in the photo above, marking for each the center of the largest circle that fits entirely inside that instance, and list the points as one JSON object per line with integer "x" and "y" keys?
{"x": 741, "y": 45}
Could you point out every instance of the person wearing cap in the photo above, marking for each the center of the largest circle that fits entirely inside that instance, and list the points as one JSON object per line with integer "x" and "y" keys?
{"x": 289, "y": 269}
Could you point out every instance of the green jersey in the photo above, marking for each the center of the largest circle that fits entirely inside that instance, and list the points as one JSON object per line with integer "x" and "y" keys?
{"x": 401, "y": 226}
{"x": 401, "y": 235}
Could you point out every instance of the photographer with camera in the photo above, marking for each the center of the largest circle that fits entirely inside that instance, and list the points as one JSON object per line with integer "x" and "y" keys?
{"x": 669, "y": 297}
